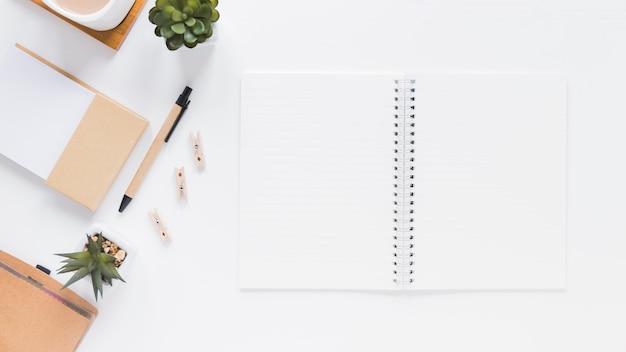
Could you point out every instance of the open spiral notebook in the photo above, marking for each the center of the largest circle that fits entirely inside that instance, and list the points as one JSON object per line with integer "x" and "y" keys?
{"x": 430, "y": 181}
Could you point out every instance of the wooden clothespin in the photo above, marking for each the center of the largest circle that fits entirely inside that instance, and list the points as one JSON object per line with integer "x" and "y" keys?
{"x": 156, "y": 219}
{"x": 198, "y": 153}
{"x": 181, "y": 185}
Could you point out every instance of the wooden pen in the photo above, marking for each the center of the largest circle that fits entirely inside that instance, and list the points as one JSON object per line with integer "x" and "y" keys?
{"x": 161, "y": 138}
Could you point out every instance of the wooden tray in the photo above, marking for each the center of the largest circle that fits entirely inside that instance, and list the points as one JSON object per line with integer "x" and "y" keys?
{"x": 112, "y": 38}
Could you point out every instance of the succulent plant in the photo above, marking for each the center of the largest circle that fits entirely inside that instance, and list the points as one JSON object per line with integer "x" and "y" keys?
{"x": 92, "y": 261}
{"x": 184, "y": 22}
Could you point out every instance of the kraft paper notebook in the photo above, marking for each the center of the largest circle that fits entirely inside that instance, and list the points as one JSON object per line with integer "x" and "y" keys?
{"x": 425, "y": 182}
{"x": 37, "y": 316}
{"x": 61, "y": 129}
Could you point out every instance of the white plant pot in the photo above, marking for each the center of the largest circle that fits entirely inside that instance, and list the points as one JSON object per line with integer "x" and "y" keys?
{"x": 84, "y": 287}
{"x": 109, "y": 16}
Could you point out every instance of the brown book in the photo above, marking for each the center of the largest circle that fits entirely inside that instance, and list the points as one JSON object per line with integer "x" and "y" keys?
{"x": 93, "y": 140}
{"x": 37, "y": 316}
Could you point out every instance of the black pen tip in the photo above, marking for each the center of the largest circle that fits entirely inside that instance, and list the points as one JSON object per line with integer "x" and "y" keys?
{"x": 125, "y": 201}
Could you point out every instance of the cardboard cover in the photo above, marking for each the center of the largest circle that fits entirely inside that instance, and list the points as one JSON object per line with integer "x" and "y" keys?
{"x": 37, "y": 316}
{"x": 96, "y": 153}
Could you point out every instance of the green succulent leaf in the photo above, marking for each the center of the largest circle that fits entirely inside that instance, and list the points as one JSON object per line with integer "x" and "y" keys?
{"x": 160, "y": 20}
{"x": 175, "y": 42}
{"x": 194, "y": 4}
{"x": 75, "y": 255}
{"x": 215, "y": 15}
{"x": 198, "y": 28}
{"x": 213, "y": 3}
{"x": 204, "y": 11}
{"x": 79, "y": 274}
{"x": 167, "y": 32}
{"x": 189, "y": 37}
{"x": 178, "y": 28}
{"x": 152, "y": 14}
{"x": 94, "y": 247}
{"x": 105, "y": 258}
{"x": 168, "y": 11}
{"x": 207, "y": 24}
{"x": 110, "y": 272}
{"x": 190, "y": 22}
{"x": 68, "y": 269}
{"x": 96, "y": 283}
{"x": 177, "y": 15}
{"x": 162, "y": 3}
{"x": 206, "y": 35}
{"x": 78, "y": 262}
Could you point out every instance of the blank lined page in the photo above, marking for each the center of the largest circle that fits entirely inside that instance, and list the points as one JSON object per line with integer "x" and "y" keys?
{"x": 490, "y": 181}
{"x": 316, "y": 181}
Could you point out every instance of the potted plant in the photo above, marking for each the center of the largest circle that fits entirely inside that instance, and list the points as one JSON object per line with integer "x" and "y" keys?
{"x": 184, "y": 22}
{"x": 101, "y": 257}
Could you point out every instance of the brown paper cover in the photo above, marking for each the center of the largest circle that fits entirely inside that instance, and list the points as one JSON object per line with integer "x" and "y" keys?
{"x": 97, "y": 151}
{"x": 37, "y": 316}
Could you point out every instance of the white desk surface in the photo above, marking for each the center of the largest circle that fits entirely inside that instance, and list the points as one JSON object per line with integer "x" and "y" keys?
{"x": 185, "y": 296}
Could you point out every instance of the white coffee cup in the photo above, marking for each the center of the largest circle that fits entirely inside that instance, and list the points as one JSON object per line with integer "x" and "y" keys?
{"x": 100, "y": 15}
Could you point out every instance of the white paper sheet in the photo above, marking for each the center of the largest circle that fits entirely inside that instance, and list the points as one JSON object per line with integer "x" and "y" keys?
{"x": 490, "y": 181}
{"x": 316, "y": 182}
{"x": 41, "y": 109}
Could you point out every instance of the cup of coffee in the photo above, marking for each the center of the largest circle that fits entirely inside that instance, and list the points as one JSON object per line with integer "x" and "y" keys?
{"x": 99, "y": 15}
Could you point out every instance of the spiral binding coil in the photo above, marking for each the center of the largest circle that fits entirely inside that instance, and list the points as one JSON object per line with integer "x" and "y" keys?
{"x": 403, "y": 188}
